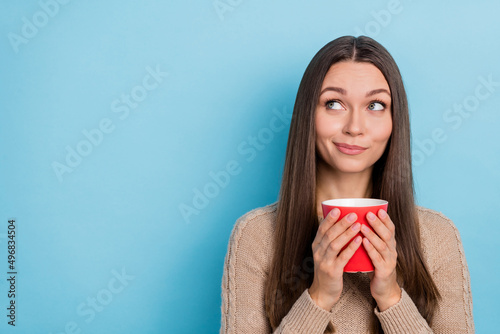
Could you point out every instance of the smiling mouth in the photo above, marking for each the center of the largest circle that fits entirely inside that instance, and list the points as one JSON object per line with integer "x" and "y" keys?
{"x": 350, "y": 149}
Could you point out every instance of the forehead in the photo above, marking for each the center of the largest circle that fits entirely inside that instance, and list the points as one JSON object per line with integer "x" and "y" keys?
{"x": 355, "y": 76}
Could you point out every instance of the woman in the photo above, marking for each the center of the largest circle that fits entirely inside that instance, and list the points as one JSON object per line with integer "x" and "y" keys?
{"x": 349, "y": 137}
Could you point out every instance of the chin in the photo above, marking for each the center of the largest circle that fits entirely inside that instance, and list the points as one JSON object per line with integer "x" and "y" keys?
{"x": 350, "y": 168}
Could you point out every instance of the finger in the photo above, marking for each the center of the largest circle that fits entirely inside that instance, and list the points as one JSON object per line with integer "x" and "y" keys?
{"x": 326, "y": 223}
{"x": 380, "y": 245}
{"x": 374, "y": 255}
{"x": 384, "y": 217}
{"x": 335, "y": 246}
{"x": 379, "y": 227}
{"x": 336, "y": 230}
{"x": 348, "y": 252}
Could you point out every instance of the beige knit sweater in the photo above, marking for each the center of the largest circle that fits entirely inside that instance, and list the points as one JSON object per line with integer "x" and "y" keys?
{"x": 247, "y": 265}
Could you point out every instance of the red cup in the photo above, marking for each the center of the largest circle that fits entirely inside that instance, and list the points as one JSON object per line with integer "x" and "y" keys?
{"x": 360, "y": 261}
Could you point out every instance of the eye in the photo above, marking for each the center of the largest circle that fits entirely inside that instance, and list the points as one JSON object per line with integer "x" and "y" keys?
{"x": 333, "y": 105}
{"x": 376, "y": 106}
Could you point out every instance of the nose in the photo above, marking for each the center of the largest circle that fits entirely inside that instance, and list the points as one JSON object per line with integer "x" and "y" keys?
{"x": 354, "y": 125}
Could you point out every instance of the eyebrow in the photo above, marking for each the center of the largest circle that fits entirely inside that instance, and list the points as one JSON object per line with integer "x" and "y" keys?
{"x": 344, "y": 92}
{"x": 377, "y": 91}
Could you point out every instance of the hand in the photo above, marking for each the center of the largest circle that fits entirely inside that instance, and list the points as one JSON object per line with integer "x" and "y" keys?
{"x": 381, "y": 247}
{"x": 330, "y": 259}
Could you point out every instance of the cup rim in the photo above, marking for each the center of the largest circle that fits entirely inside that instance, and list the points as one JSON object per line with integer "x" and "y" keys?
{"x": 354, "y": 202}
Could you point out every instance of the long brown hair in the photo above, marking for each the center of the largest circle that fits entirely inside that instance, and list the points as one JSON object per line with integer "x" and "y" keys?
{"x": 392, "y": 180}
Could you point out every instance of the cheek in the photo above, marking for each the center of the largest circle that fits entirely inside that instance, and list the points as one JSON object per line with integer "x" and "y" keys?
{"x": 325, "y": 127}
{"x": 384, "y": 131}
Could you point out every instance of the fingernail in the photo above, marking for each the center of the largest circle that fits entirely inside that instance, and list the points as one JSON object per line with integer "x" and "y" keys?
{"x": 382, "y": 213}
{"x": 356, "y": 227}
{"x": 357, "y": 239}
{"x": 335, "y": 212}
{"x": 351, "y": 218}
{"x": 370, "y": 216}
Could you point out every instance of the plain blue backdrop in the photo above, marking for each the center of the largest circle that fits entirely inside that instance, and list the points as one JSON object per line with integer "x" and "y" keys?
{"x": 117, "y": 118}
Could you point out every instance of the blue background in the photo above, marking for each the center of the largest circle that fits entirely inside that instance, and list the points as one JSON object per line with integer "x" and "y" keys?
{"x": 230, "y": 72}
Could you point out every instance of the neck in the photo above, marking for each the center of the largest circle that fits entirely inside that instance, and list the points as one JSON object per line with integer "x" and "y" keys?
{"x": 331, "y": 184}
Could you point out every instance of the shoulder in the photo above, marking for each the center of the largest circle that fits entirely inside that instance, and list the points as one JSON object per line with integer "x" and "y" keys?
{"x": 438, "y": 235}
{"x": 252, "y": 237}
{"x": 263, "y": 215}
{"x": 258, "y": 221}
{"x": 433, "y": 223}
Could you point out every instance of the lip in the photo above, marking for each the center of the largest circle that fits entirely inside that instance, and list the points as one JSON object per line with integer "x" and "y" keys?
{"x": 350, "y": 149}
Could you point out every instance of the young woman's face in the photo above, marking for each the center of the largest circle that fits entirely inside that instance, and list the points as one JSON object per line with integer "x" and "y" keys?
{"x": 353, "y": 117}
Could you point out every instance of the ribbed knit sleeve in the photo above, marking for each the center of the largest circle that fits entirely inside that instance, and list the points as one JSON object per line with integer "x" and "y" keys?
{"x": 442, "y": 247}
{"x": 403, "y": 318}
{"x": 245, "y": 271}
{"x": 305, "y": 317}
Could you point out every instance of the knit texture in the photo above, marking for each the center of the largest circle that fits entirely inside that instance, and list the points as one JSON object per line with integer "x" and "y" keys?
{"x": 247, "y": 266}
